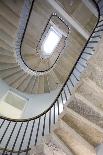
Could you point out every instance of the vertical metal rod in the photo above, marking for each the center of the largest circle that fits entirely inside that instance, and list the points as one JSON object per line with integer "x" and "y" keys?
{"x": 61, "y": 97}
{"x": 65, "y": 95}
{"x": 78, "y": 70}
{"x": 68, "y": 89}
{"x": 44, "y": 125}
{"x": 49, "y": 120}
{"x": 81, "y": 64}
{"x": 9, "y": 139}
{"x": 16, "y": 138}
{"x": 58, "y": 106}
{"x": 2, "y": 123}
{"x": 23, "y": 138}
{"x": 71, "y": 82}
{"x": 75, "y": 77}
{"x": 37, "y": 131}
{"x": 84, "y": 59}
{"x": 54, "y": 113}
{"x": 5, "y": 132}
{"x": 30, "y": 137}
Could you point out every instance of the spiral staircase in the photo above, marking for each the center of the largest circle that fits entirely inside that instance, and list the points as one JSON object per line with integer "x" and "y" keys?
{"x": 79, "y": 128}
{"x": 10, "y": 70}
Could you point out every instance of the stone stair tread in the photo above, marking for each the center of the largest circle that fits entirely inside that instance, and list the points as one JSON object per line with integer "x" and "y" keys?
{"x": 91, "y": 92}
{"x": 86, "y": 101}
{"x": 91, "y": 113}
{"x": 54, "y": 140}
{"x": 88, "y": 130}
{"x": 77, "y": 144}
{"x": 94, "y": 73}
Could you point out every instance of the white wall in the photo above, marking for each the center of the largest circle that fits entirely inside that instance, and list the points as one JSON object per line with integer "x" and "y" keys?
{"x": 35, "y": 103}
{"x": 39, "y": 103}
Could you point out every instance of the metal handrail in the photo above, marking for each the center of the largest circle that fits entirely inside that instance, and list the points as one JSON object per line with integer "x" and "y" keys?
{"x": 51, "y": 110}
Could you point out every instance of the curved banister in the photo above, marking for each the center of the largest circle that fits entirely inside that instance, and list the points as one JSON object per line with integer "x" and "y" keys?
{"x": 24, "y": 120}
{"x": 54, "y": 110}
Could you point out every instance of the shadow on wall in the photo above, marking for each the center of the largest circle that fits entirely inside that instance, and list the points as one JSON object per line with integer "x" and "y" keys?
{"x": 99, "y": 149}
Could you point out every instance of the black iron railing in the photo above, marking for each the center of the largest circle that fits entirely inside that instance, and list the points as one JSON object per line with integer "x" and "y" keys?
{"x": 18, "y": 136}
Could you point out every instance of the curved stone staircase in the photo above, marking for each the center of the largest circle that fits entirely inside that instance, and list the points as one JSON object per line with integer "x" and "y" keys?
{"x": 11, "y": 72}
{"x": 80, "y": 127}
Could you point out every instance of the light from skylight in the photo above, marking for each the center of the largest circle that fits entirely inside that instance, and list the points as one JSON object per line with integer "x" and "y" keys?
{"x": 51, "y": 41}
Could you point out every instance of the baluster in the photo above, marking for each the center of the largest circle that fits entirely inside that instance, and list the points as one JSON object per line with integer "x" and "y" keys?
{"x": 37, "y": 131}
{"x": 49, "y": 120}
{"x": 58, "y": 106}
{"x": 44, "y": 125}
{"x": 2, "y": 123}
{"x": 30, "y": 137}
{"x": 71, "y": 82}
{"x": 75, "y": 77}
{"x": 78, "y": 70}
{"x": 5, "y": 132}
{"x": 65, "y": 95}
{"x": 61, "y": 97}
{"x": 98, "y": 36}
{"x": 69, "y": 89}
{"x": 54, "y": 113}
{"x": 81, "y": 64}
{"x": 23, "y": 138}
{"x": 9, "y": 138}
{"x": 16, "y": 138}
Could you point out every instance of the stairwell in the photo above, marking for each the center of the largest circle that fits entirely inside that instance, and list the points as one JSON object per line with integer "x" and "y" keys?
{"x": 79, "y": 129}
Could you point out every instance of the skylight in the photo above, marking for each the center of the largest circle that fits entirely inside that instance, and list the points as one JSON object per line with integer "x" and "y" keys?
{"x": 51, "y": 41}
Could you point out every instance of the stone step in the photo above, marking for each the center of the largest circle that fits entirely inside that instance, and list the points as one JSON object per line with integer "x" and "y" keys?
{"x": 52, "y": 141}
{"x": 19, "y": 81}
{"x": 9, "y": 72}
{"x": 13, "y": 78}
{"x": 94, "y": 73}
{"x": 35, "y": 87}
{"x": 6, "y": 52}
{"x": 30, "y": 85}
{"x": 15, "y": 6}
{"x": 5, "y": 66}
{"x": 4, "y": 45}
{"x": 85, "y": 128}
{"x": 91, "y": 92}
{"x": 54, "y": 77}
{"x": 6, "y": 38}
{"x": 37, "y": 150}
{"x": 87, "y": 110}
{"x": 46, "y": 84}
{"x": 41, "y": 84}
{"x": 24, "y": 83}
{"x": 42, "y": 65}
{"x": 59, "y": 75}
{"x": 52, "y": 83}
{"x": 7, "y": 59}
{"x": 73, "y": 140}
{"x": 7, "y": 27}
{"x": 27, "y": 83}
{"x": 6, "y": 12}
